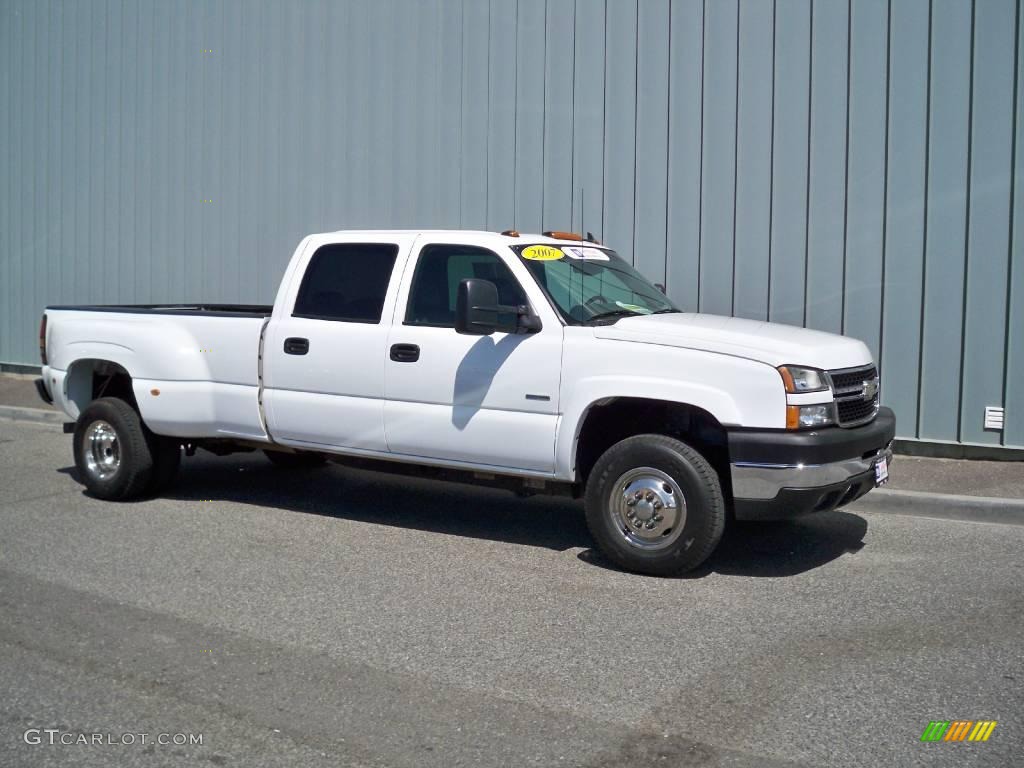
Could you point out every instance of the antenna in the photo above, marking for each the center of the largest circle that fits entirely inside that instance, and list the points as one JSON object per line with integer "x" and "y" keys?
{"x": 582, "y": 209}
{"x": 582, "y": 230}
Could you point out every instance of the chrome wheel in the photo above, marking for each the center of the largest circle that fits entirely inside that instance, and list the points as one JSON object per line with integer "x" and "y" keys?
{"x": 648, "y": 508}
{"x": 101, "y": 450}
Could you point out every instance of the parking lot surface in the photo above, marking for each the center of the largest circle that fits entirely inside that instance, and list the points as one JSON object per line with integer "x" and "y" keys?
{"x": 345, "y": 618}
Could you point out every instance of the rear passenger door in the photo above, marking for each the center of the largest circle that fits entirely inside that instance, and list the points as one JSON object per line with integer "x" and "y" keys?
{"x": 325, "y": 348}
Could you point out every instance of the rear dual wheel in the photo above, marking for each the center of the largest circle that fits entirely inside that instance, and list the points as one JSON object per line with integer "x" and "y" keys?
{"x": 117, "y": 457}
{"x": 655, "y": 505}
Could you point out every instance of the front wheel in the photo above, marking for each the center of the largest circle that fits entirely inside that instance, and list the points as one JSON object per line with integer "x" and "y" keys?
{"x": 655, "y": 505}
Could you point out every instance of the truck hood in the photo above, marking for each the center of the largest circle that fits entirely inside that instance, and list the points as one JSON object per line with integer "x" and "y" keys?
{"x": 771, "y": 343}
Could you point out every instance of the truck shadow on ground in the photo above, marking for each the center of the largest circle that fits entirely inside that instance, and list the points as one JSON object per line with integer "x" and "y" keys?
{"x": 774, "y": 549}
{"x": 747, "y": 549}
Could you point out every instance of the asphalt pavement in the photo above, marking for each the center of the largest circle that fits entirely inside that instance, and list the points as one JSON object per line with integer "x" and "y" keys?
{"x": 343, "y": 618}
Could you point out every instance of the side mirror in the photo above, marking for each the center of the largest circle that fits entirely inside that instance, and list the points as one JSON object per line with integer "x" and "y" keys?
{"x": 478, "y": 313}
{"x": 476, "y": 307}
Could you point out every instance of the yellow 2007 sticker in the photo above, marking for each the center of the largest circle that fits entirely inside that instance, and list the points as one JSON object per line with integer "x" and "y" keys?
{"x": 542, "y": 253}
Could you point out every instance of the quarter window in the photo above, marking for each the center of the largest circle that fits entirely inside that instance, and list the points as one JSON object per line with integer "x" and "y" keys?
{"x": 347, "y": 282}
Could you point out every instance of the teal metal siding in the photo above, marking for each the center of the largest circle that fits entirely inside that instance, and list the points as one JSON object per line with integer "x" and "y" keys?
{"x": 990, "y": 168}
{"x": 866, "y": 175}
{"x": 903, "y": 256}
{"x": 790, "y": 150}
{"x": 852, "y": 166}
{"x": 946, "y": 215}
{"x": 754, "y": 104}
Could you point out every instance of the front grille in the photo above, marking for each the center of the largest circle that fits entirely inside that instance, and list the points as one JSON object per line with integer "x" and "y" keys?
{"x": 856, "y": 394}
{"x": 853, "y": 411}
{"x": 852, "y": 378}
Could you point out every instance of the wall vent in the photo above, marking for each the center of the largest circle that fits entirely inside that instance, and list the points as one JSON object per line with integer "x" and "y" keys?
{"x": 993, "y": 417}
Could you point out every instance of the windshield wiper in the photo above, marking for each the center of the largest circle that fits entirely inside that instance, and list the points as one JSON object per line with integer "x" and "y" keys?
{"x": 665, "y": 311}
{"x": 615, "y": 313}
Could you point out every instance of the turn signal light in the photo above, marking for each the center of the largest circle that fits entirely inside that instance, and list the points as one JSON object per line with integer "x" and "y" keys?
{"x": 792, "y": 417}
{"x": 787, "y": 378}
{"x": 799, "y": 379}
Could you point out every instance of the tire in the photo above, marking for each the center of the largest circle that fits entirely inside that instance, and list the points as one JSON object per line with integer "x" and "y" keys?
{"x": 295, "y": 460}
{"x": 660, "y": 469}
{"x": 166, "y": 453}
{"x": 113, "y": 450}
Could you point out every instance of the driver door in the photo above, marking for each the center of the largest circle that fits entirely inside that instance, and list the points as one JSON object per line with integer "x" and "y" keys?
{"x": 480, "y": 400}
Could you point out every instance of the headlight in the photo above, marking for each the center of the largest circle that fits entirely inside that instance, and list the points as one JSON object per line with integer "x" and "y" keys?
{"x": 798, "y": 380}
{"x": 808, "y": 416}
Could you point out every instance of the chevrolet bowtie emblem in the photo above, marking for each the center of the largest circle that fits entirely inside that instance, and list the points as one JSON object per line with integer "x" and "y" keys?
{"x": 869, "y": 389}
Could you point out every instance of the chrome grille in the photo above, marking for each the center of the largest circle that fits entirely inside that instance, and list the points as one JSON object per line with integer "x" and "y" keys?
{"x": 856, "y": 394}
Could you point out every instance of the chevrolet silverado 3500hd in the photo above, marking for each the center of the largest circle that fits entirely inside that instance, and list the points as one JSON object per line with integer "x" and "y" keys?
{"x": 542, "y": 363}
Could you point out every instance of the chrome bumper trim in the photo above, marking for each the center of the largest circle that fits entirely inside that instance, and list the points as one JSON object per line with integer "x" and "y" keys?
{"x": 764, "y": 481}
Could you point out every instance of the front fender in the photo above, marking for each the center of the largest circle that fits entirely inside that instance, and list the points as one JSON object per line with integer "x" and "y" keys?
{"x": 592, "y": 391}
{"x": 737, "y": 391}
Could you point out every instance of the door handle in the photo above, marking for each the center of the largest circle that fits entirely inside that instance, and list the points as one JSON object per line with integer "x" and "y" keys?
{"x": 296, "y": 346}
{"x": 405, "y": 353}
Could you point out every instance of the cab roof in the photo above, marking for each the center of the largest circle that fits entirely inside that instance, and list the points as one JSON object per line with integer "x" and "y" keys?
{"x": 506, "y": 236}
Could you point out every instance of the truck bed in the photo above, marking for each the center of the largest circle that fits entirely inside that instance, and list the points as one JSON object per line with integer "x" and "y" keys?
{"x": 194, "y": 367}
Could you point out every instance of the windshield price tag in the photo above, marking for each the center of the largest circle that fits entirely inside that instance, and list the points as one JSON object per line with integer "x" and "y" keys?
{"x": 583, "y": 252}
{"x": 542, "y": 253}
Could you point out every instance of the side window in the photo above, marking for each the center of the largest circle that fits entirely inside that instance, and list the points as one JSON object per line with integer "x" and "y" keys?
{"x": 346, "y": 281}
{"x": 440, "y": 269}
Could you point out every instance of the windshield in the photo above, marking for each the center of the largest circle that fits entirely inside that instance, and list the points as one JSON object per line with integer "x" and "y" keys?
{"x": 588, "y": 284}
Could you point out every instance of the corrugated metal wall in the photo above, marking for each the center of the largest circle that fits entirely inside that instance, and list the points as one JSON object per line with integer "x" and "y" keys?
{"x": 848, "y": 166}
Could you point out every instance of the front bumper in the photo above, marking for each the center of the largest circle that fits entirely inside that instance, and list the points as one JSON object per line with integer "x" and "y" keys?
{"x": 783, "y": 474}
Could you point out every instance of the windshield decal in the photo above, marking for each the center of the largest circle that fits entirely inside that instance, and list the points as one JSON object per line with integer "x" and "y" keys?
{"x": 542, "y": 253}
{"x": 583, "y": 252}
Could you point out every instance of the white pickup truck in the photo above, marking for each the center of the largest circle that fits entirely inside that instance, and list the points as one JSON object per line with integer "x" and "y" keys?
{"x": 541, "y": 363}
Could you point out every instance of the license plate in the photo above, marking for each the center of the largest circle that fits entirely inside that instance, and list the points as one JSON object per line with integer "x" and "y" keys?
{"x": 881, "y": 472}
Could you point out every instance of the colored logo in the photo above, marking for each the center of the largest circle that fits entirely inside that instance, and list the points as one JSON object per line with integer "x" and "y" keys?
{"x": 958, "y": 730}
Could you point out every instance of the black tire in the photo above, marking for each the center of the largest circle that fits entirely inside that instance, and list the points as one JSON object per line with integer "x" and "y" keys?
{"x": 670, "y": 550}
{"x": 166, "y": 453}
{"x": 300, "y": 460}
{"x": 130, "y": 450}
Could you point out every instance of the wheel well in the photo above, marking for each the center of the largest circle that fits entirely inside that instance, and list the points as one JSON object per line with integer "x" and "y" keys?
{"x": 89, "y": 380}
{"x": 618, "y": 418}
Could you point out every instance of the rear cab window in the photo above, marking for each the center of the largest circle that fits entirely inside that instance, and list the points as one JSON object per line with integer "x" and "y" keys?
{"x": 346, "y": 282}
